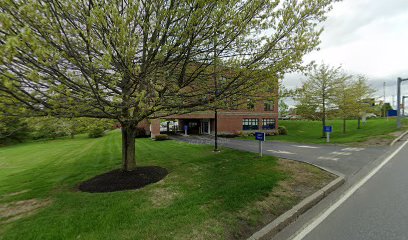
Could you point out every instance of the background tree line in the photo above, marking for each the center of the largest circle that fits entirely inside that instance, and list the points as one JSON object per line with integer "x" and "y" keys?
{"x": 15, "y": 129}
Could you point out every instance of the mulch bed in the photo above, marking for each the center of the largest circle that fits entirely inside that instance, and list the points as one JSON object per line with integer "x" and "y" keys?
{"x": 118, "y": 180}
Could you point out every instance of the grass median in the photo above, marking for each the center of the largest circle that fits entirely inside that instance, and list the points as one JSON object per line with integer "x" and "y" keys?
{"x": 375, "y": 131}
{"x": 206, "y": 195}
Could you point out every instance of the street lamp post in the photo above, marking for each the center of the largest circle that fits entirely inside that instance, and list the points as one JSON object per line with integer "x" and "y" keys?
{"x": 215, "y": 92}
{"x": 399, "y": 81}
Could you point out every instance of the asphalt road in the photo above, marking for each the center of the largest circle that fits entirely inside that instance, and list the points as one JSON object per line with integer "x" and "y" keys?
{"x": 342, "y": 159}
{"x": 376, "y": 210}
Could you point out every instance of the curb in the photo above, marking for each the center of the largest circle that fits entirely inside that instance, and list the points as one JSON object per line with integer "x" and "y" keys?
{"x": 399, "y": 138}
{"x": 290, "y": 216}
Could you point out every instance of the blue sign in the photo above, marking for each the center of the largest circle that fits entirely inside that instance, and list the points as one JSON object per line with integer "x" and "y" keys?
{"x": 328, "y": 129}
{"x": 185, "y": 127}
{"x": 260, "y": 136}
{"x": 392, "y": 113}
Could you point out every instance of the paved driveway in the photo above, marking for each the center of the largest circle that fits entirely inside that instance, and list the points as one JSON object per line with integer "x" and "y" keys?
{"x": 342, "y": 159}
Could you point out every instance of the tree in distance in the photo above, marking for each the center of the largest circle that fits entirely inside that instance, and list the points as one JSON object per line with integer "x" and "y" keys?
{"x": 361, "y": 94}
{"x": 318, "y": 93}
{"x": 132, "y": 60}
{"x": 332, "y": 92}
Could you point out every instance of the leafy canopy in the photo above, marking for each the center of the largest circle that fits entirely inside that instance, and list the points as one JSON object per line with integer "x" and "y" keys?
{"x": 128, "y": 60}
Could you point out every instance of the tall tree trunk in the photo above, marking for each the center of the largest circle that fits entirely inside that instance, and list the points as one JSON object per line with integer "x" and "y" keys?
{"x": 323, "y": 124}
{"x": 359, "y": 123}
{"x": 344, "y": 125}
{"x": 128, "y": 147}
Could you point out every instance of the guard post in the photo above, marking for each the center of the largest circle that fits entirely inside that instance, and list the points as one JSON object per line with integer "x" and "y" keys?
{"x": 260, "y": 136}
{"x": 328, "y": 130}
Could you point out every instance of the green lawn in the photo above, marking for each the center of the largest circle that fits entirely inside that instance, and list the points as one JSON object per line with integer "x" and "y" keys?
{"x": 206, "y": 195}
{"x": 310, "y": 131}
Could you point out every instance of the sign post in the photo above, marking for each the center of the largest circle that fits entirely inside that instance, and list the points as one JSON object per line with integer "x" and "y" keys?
{"x": 260, "y": 136}
{"x": 185, "y": 130}
{"x": 328, "y": 130}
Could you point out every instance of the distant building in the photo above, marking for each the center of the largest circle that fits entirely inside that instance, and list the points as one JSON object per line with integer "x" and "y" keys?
{"x": 260, "y": 115}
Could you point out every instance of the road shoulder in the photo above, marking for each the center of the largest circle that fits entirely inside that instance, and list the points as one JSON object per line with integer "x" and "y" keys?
{"x": 274, "y": 227}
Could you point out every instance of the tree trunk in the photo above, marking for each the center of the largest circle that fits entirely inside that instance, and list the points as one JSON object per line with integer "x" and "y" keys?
{"x": 128, "y": 147}
{"x": 344, "y": 125}
{"x": 323, "y": 124}
{"x": 359, "y": 123}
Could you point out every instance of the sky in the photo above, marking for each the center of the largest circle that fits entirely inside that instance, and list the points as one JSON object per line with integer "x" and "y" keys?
{"x": 368, "y": 37}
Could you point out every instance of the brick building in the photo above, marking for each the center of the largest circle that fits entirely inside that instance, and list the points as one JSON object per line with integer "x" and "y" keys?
{"x": 261, "y": 115}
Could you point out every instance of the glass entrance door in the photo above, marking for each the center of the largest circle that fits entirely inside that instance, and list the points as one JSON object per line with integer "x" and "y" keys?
{"x": 205, "y": 127}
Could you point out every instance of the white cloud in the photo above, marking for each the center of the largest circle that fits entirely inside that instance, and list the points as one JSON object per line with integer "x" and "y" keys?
{"x": 366, "y": 37}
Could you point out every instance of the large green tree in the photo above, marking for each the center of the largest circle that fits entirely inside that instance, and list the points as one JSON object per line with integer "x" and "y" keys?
{"x": 352, "y": 98}
{"x": 317, "y": 96}
{"x": 344, "y": 99}
{"x": 131, "y": 60}
{"x": 362, "y": 95}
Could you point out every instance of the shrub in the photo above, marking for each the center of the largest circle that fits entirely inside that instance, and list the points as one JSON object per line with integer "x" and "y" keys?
{"x": 228, "y": 135}
{"x": 161, "y": 137}
{"x": 270, "y": 133}
{"x": 239, "y": 133}
{"x": 282, "y": 130}
{"x": 13, "y": 129}
{"x": 96, "y": 131}
{"x": 140, "y": 132}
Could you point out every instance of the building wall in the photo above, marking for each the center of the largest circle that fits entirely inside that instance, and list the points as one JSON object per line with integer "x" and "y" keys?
{"x": 146, "y": 125}
{"x": 229, "y": 121}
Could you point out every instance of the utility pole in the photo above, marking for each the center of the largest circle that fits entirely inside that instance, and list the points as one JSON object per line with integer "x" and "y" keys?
{"x": 399, "y": 81}
{"x": 384, "y": 110}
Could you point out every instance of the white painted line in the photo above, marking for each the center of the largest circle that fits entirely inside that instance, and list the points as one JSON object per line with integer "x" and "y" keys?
{"x": 304, "y": 146}
{"x": 353, "y": 149}
{"x": 281, "y": 152}
{"x": 300, "y": 235}
{"x": 341, "y": 153}
{"x": 328, "y": 158}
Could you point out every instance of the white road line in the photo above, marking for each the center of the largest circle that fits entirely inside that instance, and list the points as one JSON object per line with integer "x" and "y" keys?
{"x": 281, "y": 152}
{"x": 304, "y": 146}
{"x": 353, "y": 149}
{"x": 341, "y": 153}
{"x": 300, "y": 235}
{"x": 328, "y": 158}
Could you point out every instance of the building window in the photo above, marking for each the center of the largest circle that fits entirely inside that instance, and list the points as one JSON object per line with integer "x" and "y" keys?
{"x": 250, "y": 124}
{"x": 268, "y": 123}
{"x": 192, "y": 124}
{"x": 268, "y": 106}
